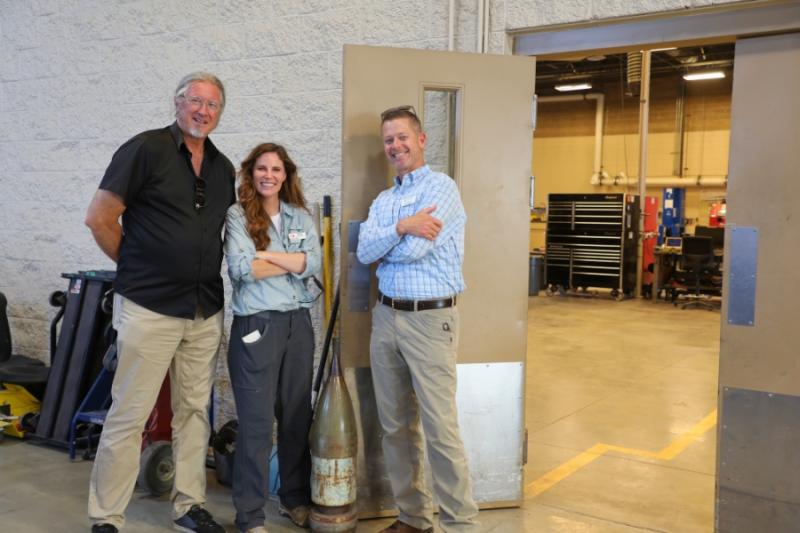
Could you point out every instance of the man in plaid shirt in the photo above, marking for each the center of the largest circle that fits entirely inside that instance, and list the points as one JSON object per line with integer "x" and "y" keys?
{"x": 415, "y": 231}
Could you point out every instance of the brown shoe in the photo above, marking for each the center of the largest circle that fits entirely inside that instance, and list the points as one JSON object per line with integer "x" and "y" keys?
{"x": 298, "y": 515}
{"x": 401, "y": 527}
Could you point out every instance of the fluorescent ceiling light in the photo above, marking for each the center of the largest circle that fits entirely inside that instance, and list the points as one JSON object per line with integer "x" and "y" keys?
{"x": 573, "y": 87}
{"x": 716, "y": 74}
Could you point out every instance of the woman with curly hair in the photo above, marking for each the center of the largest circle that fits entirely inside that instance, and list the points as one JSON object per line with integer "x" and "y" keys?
{"x": 272, "y": 248}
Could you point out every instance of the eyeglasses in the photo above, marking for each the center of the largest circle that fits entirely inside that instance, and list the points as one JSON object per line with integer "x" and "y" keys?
{"x": 199, "y": 193}
{"x": 399, "y": 110}
{"x": 195, "y": 102}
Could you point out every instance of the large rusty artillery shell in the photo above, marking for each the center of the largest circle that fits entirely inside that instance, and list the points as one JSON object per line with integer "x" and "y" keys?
{"x": 333, "y": 457}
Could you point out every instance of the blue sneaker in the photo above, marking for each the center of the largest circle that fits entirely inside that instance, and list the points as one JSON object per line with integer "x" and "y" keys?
{"x": 197, "y": 520}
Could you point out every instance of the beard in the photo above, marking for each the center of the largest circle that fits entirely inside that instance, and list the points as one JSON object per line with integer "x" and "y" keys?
{"x": 196, "y": 133}
{"x": 188, "y": 127}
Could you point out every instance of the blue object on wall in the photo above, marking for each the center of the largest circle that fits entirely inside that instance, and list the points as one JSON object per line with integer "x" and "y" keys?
{"x": 672, "y": 214}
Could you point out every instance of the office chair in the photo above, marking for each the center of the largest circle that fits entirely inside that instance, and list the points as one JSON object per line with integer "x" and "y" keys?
{"x": 17, "y": 369}
{"x": 697, "y": 258}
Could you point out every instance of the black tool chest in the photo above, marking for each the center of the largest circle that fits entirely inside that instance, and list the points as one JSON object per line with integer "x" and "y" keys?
{"x": 591, "y": 242}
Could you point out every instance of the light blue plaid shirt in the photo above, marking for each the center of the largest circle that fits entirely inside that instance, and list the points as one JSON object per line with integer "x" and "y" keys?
{"x": 413, "y": 268}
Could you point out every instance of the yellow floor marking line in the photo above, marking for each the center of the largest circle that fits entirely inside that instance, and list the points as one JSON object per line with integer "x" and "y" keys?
{"x": 682, "y": 442}
{"x": 564, "y": 470}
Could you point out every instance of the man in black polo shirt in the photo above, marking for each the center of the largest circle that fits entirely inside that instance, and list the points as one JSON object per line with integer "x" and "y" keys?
{"x": 171, "y": 187}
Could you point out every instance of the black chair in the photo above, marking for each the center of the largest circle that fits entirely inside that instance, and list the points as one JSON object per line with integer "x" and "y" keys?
{"x": 717, "y": 236}
{"x": 699, "y": 261}
{"x": 18, "y": 369}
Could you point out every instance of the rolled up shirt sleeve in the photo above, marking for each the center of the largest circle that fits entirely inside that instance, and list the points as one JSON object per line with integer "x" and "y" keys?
{"x": 311, "y": 248}
{"x": 240, "y": 251}
{"x": 376, "y": 241}
{"x": 449, "y": 209}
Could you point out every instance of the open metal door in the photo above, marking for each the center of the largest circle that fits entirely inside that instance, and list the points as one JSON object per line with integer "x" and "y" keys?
{"x": 758, "y": 485}
{"x": 477, "y": 111}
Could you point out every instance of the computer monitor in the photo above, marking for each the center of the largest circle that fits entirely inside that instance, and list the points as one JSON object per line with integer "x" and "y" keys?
{"x": 697, "y": 246}
{"x": 673, "y": 242}
{"x": 717, "y": 235}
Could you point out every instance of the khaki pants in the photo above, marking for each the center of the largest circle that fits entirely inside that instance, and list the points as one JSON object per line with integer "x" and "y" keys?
{"x": 413, "y": 358}
{"x": 149, "y": 344}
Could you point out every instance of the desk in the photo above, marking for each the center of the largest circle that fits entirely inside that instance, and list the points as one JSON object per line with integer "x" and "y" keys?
{"x": 663, "y": 266}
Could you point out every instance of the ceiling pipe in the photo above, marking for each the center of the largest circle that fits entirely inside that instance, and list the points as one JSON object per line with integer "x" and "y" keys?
{"x": 680, "y": 130}
{"x": 479, "y": 29}
{"x": 633, "y": 70}
{"x": 451, "y": 25}
{"x": 482, "y": 30}
{"x": 598, "y": 174}
{"x": 601, "y": 178}
{"x": 622, "y": 180}
{"x": 486, "y": 26}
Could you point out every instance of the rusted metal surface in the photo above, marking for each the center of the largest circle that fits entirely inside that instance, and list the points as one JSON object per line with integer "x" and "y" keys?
{"x": 333, "y": 432}
{"x": 333, "y": 519}
{"x": 334, "y": 445}
{"x": 333, "y": 481}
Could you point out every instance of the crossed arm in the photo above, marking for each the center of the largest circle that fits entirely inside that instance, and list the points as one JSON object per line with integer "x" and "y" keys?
{"x": 267, "y": 264}
{"x": 263, "y": 268}
{"x": 246, "y": 264}
{"x": 421, "y": 224}
{"x": 412, "y": 237}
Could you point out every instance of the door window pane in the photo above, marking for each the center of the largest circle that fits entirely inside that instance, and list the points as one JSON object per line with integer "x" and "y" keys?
{"x": 440, "y": 120}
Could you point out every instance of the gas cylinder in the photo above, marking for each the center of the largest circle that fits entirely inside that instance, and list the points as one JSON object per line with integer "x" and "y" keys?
{"x": 713, "y": 215}
{"x": 333, "y": 443}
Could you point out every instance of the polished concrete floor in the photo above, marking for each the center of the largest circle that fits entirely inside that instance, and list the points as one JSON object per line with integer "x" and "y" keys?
{"x": 620, "y": 411}
{"x": 621, "y": 416}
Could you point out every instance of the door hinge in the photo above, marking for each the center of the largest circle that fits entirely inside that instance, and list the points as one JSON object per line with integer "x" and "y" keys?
{"x": 525, "y": 448}
{"x": 532, "y": 189}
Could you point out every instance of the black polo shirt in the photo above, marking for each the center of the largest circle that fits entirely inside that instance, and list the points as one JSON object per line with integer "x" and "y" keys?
{"x": 171, "y": 252}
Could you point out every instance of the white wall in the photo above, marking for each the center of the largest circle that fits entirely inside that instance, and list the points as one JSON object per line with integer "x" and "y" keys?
{"x": 79, "y": 77}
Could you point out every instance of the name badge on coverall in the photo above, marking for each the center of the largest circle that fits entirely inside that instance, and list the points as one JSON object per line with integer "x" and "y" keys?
{"x": 295, "y": 236}
{"x": 407, "y": 200}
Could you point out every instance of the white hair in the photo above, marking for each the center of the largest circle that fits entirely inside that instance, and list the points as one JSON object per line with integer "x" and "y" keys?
{"x": 194, "y": 77}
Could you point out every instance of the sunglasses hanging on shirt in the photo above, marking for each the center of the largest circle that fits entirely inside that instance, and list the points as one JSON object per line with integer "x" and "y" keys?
{"x": 199, "y": 193}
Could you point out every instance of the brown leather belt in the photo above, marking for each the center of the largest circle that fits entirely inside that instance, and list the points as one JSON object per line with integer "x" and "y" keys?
{"x": 416, "y": 305}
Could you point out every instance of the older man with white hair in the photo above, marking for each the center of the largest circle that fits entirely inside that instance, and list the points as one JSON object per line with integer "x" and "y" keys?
{"x": 171, "y": 187}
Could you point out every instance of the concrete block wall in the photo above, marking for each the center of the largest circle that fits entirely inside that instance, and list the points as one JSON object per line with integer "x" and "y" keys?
{"x": 520, "y": 14}
{"x": 79, "y": 77}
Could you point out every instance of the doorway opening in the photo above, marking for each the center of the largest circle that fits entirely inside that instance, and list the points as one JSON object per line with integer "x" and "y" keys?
{"x": 624, "y": 392}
